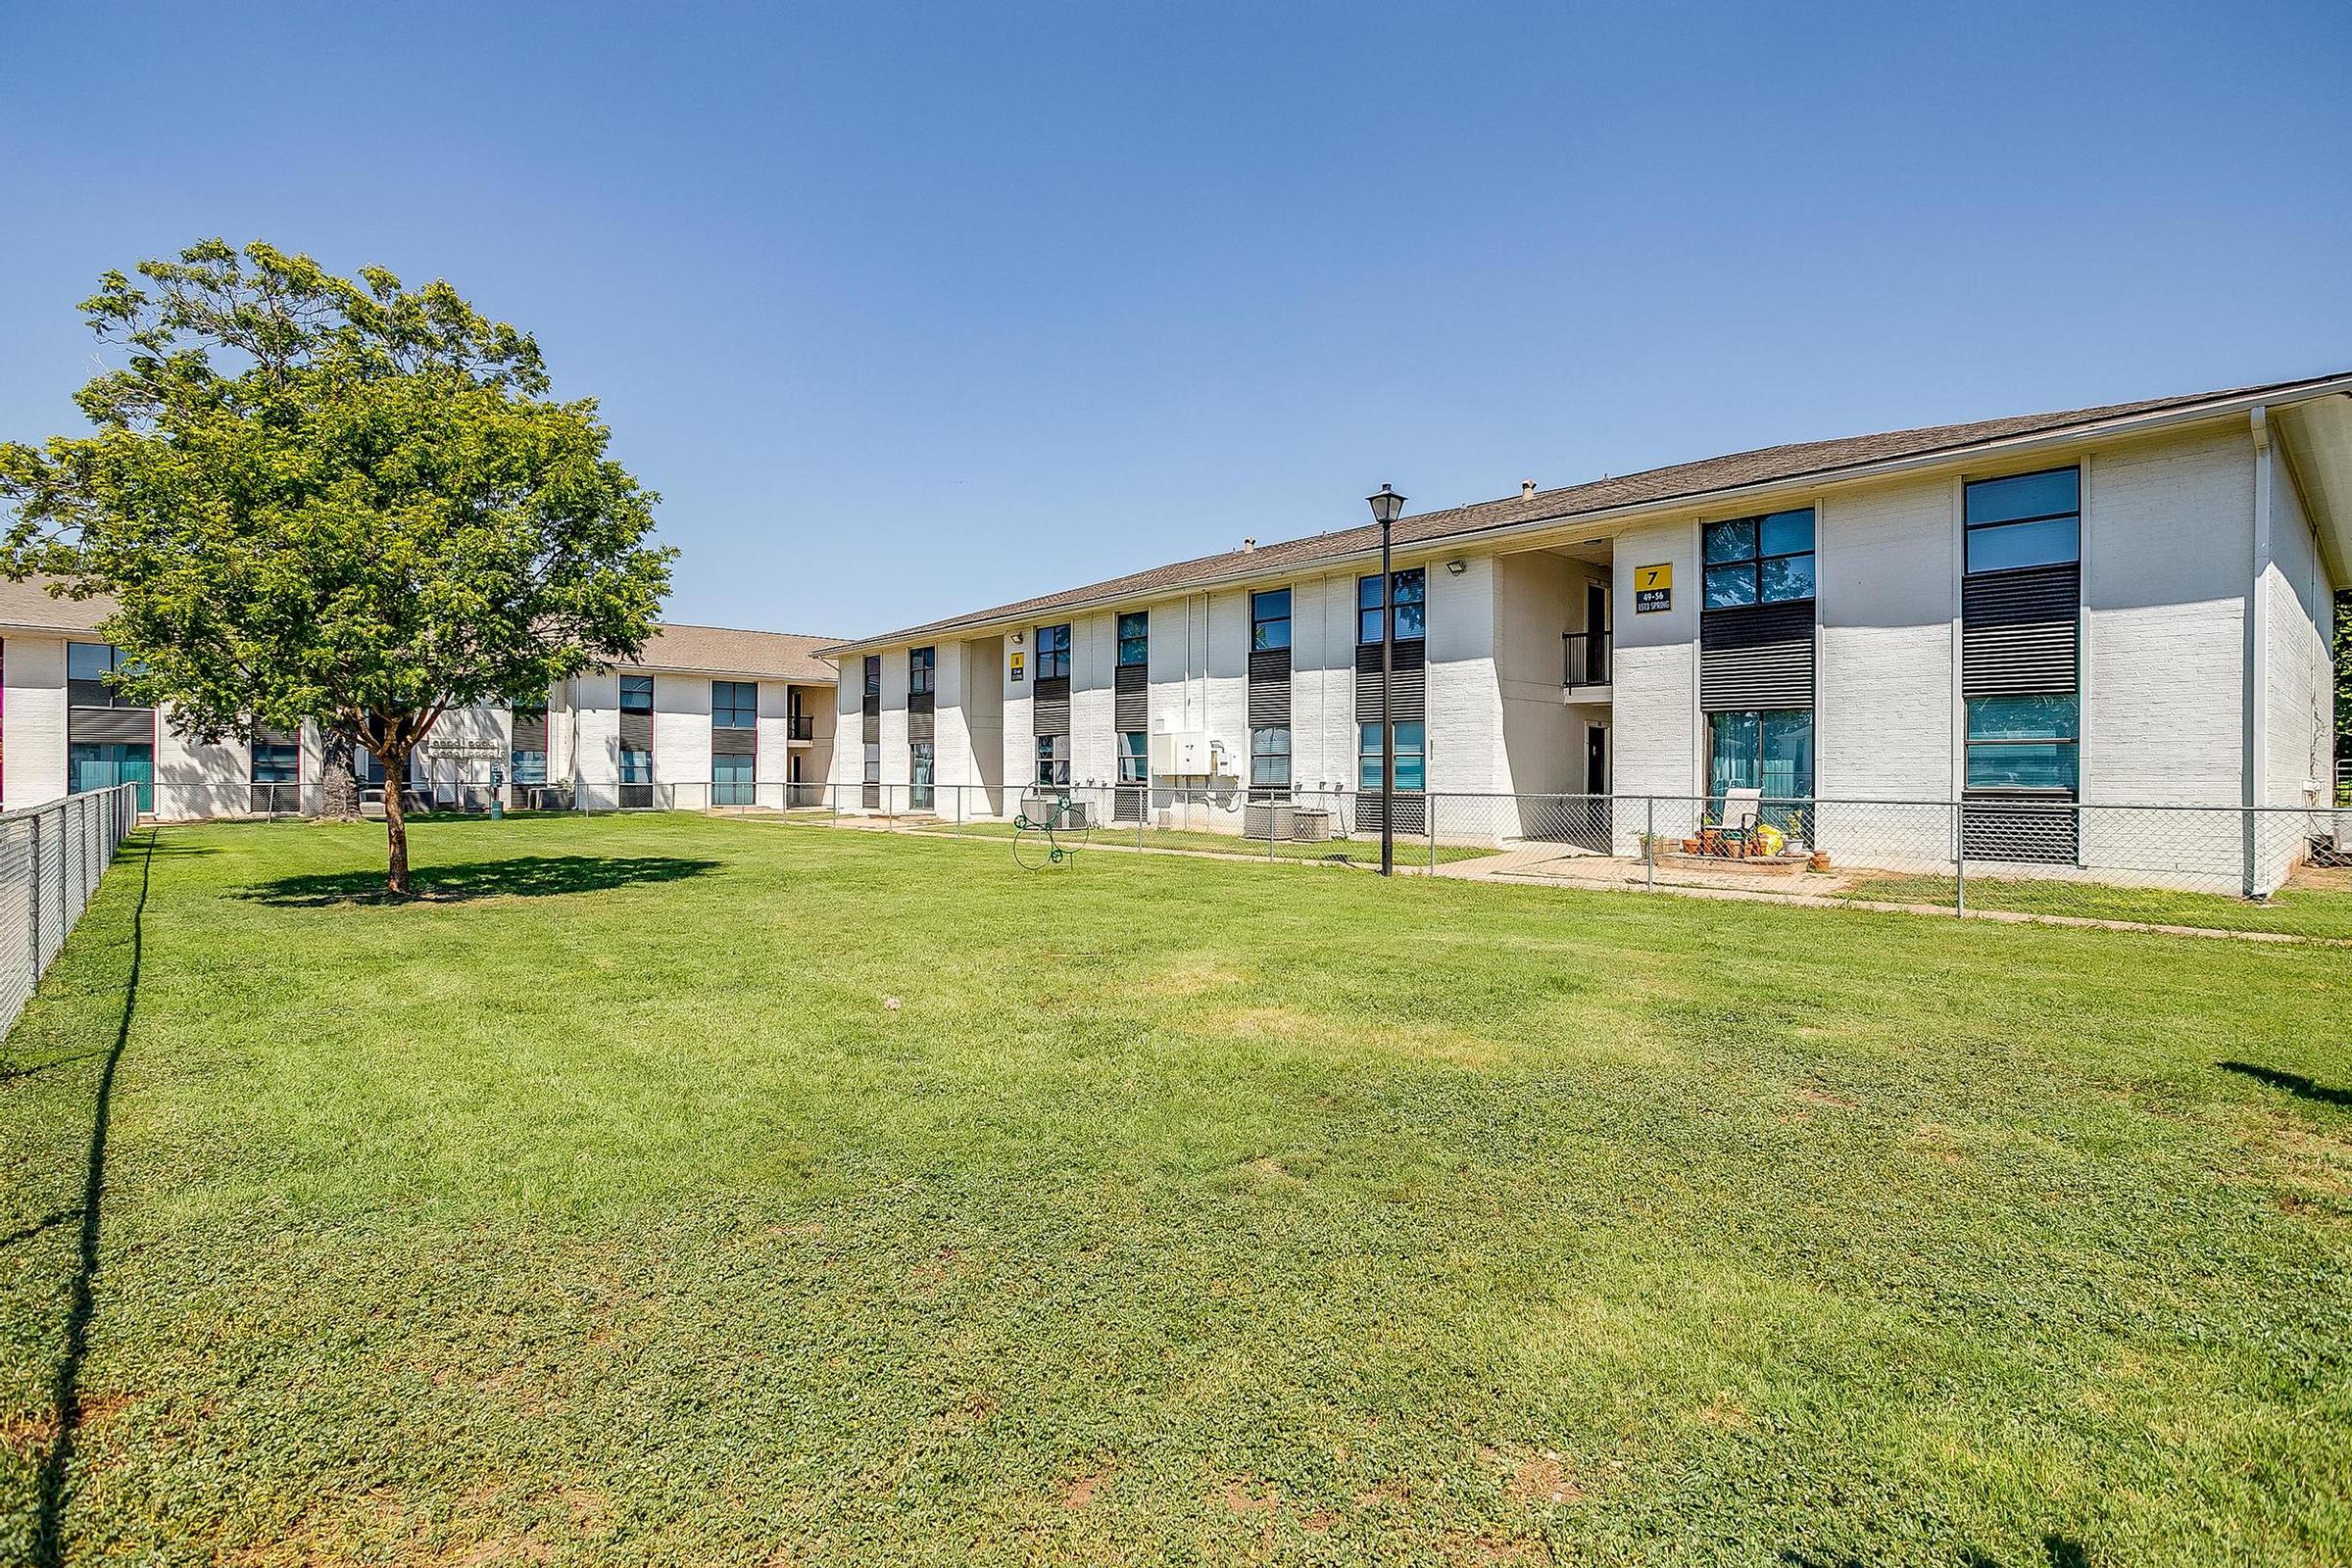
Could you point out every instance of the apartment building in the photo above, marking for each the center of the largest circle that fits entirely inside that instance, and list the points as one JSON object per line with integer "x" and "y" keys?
{"x": 2117, "y": 604}
{"x": 706, "y": 716}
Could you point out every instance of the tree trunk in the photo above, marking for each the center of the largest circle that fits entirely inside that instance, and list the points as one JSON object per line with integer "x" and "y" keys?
{"x": 396, "y": 826}
{"x": 339, "y": 777}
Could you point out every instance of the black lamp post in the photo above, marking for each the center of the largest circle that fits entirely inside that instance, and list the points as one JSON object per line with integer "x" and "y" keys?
{"x": 1387, "y": 507}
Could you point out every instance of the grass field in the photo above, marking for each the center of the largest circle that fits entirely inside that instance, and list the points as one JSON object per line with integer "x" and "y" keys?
{"x": 1360, "y": 850}
{"x": 2318, "y": 904}
{"x": 676, "y": 1190}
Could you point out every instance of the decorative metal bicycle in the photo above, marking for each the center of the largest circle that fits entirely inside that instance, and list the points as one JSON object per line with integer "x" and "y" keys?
{"x": 1051, "y": 840}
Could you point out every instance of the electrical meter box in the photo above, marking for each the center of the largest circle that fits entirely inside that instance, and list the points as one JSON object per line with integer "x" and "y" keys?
{"x": 1188, "y": 754}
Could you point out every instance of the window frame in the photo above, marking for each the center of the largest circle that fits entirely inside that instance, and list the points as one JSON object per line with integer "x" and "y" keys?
{"x": 1141, "y": 636}
{"x": 291, "y": 760}
{"x": 873, "y": 672}
{"x": 1757, "y": 559}
{"x": 115, "y": 663}
{"x": 749, "y": 718}
{"x": 1999, "y": 528}
{"x": 1717, "y": 789}
{"x": 1368, "y": 610}
{"x": 1261, "y": 757}
{"x": 1367, "y": 755}
{"x": 2063, "y": 742}
{"x": 740, "y": 791}
{"x": 1053, "y": 761}
{"x": 1054, "y": 652}
{"x": 922, "y": 671}
{"x": 1261, "y": 623}
{"x": 1138, "y": 753}
{"x": 635, "y": 684}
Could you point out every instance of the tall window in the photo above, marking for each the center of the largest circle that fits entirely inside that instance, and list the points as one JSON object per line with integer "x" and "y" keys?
{"x": 1270, "y": 758}
{"x": 733, "y": 779}
{"x": 2028, "y": 520}
{"x": 1771, "y": 750}
{"x": 1411, "y": 596}
{"x": 1759, "y": 561}
{"x": 1411, "y": 755}
{"x": 2023, "y": 742}
{"x": 1270, "y": 619}
{"x": 873, "y": 674}
{"x": 636, "y": 762}
{"x": 735, "y": 704}
{"x": 1135, "y": 758}
{"x": 873, "y": 763}
{"x": 1053, "y": 761}
{"x": 920, "y": 793}
{"x": 528, "y": 765}
{"x": 1053, "y": 653}
{"x": 103, "y": 765}
{"x": 921, "y": 671}
{"x": 1134, "y": 636}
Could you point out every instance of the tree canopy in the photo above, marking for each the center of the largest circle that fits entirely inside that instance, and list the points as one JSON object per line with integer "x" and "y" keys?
{"x": 336, "y": 499}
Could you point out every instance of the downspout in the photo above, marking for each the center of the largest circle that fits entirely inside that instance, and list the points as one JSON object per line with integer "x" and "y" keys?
{"x": 2257, "y": 725}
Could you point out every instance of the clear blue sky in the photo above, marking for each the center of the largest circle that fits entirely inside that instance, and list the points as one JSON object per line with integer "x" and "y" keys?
{"x": 908, "y": 310}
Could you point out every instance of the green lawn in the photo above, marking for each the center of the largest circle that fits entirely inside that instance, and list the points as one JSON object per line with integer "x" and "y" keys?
{"x": 2308, "y": 911}
{"x": 1358, "y": 850}
{"x": 683, "y": 1191}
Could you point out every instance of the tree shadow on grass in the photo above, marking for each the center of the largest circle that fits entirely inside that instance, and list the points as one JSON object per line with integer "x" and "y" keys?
{"x": 521, "y": 876}
{"x": 2057, "y": 1552}
{"x": 2294, "y": 1083}
{"x": 49, "y": 1523}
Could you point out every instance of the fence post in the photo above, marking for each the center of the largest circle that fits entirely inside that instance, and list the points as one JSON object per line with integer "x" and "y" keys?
{"x": 1430, "y": 804}
{"x": 2253, "y": 855}
{"x": 1959, "y": 860}
{"x": 36, "y": 898}
{"x": 1650, "y": 843}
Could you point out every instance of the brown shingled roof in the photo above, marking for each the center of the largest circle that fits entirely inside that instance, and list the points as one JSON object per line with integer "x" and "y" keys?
{"x": 27, "y": 605}
{"x": 724, "y": 651}
{"x": 1680, "y": 481}
{"x": 702, "y": 650}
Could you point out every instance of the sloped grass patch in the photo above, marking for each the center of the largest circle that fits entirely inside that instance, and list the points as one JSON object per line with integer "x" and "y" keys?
{"x": 860, "y": 1198}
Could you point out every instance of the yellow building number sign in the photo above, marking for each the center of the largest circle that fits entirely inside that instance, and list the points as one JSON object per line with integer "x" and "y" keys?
{"x": 1653, "y": 588}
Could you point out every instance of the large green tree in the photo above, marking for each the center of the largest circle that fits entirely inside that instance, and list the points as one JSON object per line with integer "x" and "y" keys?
{"x": 334, "y": 499}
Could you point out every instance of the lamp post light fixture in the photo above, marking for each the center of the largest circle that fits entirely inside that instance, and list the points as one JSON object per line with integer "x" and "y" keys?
{"x": 1387, "y": 507}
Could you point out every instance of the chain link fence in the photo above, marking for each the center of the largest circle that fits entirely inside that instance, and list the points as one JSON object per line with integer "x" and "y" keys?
{"x": 51, "y": 859}
{"x": 2285, "y": 869}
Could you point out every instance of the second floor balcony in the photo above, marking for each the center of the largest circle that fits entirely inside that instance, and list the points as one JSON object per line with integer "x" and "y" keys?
{"x": 1585, "y": 666}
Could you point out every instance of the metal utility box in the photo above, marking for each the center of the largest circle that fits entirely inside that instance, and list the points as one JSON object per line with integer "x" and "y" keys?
{"x": 1187, "y": 754}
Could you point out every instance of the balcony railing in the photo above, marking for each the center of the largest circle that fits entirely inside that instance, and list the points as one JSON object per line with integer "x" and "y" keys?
{"x": 1587, "y": 659}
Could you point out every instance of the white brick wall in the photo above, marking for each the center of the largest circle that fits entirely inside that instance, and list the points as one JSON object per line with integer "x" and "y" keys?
{"x": 1019, "y": 733}
{"x": 597, "y": 769}
{"x": 682, "y": 737}
{"x": 2298, "y": 608}
{"x": 32, "y": 764}
{"x": 1093, "y": 654}
{"x": 1655, "y": 666}
{"x": 1884, "y": 711}
{"x": 1465, "y": 702}
{"x": 2165, "y": 556}
{"x": 1538, "y": 597}
{"x": 195, "y": 780}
